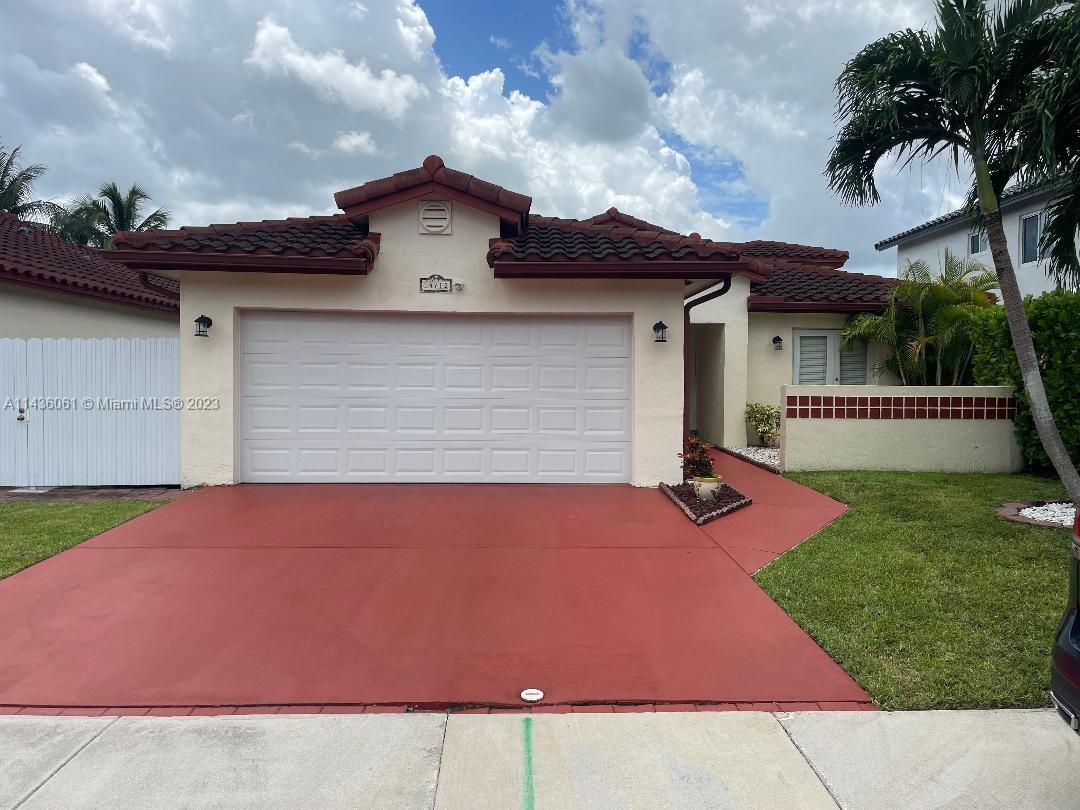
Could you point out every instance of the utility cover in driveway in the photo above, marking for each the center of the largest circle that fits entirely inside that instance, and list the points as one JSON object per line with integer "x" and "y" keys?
{"x": 332, "y": 397}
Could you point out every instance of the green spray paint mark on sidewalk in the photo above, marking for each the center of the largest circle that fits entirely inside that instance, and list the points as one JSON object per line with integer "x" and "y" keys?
{"x": 528, "y": 792}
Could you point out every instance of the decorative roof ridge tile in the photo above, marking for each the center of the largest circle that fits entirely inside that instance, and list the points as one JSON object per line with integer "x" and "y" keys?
{"x": 434, "y": 170}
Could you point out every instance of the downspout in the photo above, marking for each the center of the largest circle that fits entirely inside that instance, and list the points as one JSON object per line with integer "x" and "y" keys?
{"x": 725, "y": 285}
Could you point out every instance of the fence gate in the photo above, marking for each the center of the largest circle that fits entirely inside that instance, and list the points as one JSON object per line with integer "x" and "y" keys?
{"x": 89, "y": 412}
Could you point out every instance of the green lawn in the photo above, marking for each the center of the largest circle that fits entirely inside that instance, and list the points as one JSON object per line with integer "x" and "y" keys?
{"x": 924, "y": 595}
{"x": 32, "y": 531}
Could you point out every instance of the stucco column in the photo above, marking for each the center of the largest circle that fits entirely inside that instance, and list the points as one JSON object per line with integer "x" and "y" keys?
{"x": 207, "y": 370}
{"x": 722, "y": 369}
{"x": 736, "y": 342}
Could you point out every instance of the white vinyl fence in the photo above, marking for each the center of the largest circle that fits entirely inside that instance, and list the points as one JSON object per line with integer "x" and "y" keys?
{"x": 89, "y": 412}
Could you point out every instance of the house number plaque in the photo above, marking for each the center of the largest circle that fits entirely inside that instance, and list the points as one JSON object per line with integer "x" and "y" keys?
{"x": 436, "y": 284}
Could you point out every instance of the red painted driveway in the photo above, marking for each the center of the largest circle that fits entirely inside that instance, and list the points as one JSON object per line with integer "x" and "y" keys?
{"x": 429, "y": 595}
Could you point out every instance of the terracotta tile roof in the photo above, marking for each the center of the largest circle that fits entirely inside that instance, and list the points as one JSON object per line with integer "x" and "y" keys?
{"x": 31, "y": 255}
{"x": 617, "y": 238}
{"x": 788, "y": 250}
{"x": 327, "y": 236}
{"x": 817, "y": 288}
{"x": 433, "y": 176}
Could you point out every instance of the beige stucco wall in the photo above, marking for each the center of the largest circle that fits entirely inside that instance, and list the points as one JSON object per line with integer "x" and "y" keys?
{"x": 208, "y": 366}
{"x": 721, "y": 394}
{"x": 30, "y": 313}
{"x": 770, "y": 369}
{"x": 922, "y": 445}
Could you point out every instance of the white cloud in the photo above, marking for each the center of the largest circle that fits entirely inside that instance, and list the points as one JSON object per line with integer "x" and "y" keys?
{"x": 355, "y": 143}
{"x": 331, "y": 75}
{"x": 415, "y": 31}
{"x": 706, "y": 115}
{"x": 141, "y": 21}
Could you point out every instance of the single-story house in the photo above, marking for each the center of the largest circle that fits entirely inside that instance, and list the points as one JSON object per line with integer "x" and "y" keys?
{"x": 80, "y": 338}
{"x": 1023, "y": 215}
{"x": 51, "y": 288}
{"x": 437, "y": 330}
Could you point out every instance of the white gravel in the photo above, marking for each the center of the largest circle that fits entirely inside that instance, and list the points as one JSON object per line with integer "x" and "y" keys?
{"x": 769, "y": 456}
{"x": 1063, "y": 513}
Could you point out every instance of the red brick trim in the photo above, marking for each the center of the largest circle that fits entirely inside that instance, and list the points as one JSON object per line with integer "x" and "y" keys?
{"x": 903, "y": 407}
{"x": 1011, "y": 512}
{"x": 463, "y": 708}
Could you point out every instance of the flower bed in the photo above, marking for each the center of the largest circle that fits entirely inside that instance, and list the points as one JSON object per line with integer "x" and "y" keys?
{"x": 727, "y": 500}
{"x": 1040, "y": 513}
{"x": 767, "y": 457}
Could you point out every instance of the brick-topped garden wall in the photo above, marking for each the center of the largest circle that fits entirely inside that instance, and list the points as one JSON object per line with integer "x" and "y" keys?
{"x": 941, "y": 428}
{"x": 869, "y": 406}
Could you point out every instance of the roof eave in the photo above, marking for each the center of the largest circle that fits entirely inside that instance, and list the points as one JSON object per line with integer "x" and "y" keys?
{"x": 701, "y": 269}
{"x": 88, "y": 292}
{"x": 239, "y": 263}
{"x": 764, "y": 303}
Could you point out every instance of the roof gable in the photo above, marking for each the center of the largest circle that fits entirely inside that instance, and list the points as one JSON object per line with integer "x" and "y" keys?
{"x": 434, "y": 178}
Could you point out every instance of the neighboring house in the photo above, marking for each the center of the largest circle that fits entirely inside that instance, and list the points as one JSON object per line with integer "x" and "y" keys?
{"x": 79, "y": 338}
{"x": 50, "y": 288}
{"x": 1022, "y": 216}
{"x": 436, "y": 330}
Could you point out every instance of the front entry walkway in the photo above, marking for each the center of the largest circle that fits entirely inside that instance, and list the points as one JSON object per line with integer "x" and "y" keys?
{"x": 423, "y": 596}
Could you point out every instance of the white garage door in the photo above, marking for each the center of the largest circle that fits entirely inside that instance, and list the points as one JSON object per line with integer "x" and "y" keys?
{"x": 396, "y": 397}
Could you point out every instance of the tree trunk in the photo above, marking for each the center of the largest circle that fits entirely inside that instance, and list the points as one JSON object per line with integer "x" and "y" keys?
{"x": 1025, "y": 353}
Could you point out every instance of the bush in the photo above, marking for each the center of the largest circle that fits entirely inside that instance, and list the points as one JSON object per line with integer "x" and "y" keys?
{"x": 696, "y": 461}
{"x": 1055, "y": 326}
{"x": 765, "y": 420}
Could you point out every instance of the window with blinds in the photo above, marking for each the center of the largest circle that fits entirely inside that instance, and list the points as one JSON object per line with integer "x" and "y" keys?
{"x": 853, "y": 364}
{"x": 813, "y": 360}
{"x": 820, "y": 359}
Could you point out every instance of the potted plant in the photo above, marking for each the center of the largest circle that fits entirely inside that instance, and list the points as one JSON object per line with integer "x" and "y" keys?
{"x": 765, "y": 421}
{"x": 698, "y": 469}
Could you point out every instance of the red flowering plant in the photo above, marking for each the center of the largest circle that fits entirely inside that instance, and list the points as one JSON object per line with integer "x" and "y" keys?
{"x": 696, "y": 460}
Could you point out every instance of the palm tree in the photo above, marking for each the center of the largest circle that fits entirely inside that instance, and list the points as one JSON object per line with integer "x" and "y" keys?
{"x": 96, "y": 220}
{"x": 927, "y": 321}
{"x": 16, "y": 186}
{"x": 1051, "y": 148}
{"x": 960, "y": 91}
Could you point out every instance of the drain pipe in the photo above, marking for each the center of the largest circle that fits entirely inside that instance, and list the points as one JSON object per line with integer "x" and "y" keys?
{"x": 725, "y": 285}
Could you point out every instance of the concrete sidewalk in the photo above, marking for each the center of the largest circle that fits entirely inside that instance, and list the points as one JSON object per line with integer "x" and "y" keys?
{"x": 699, "y": 760}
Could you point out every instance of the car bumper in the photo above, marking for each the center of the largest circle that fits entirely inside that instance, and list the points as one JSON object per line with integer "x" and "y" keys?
{"x": 1065, "y": 671}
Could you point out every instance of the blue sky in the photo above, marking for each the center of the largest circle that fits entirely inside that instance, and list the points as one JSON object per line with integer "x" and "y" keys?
{"x": 713, "y": 116}
{"x": 475, "y": 35}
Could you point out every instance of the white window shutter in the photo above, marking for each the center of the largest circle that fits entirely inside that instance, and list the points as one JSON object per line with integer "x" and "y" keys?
{"x": 813, "y": 359}
{"x": 853, "y": 364}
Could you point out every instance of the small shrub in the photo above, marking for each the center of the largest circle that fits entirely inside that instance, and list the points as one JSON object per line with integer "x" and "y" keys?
{"x": 1055, "y": 327}
{"x": 696, "y": 461}
{"x": 765, "y": 420}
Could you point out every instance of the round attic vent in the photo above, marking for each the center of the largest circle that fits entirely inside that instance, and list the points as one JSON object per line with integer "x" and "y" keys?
{"x": 434, "y": 217}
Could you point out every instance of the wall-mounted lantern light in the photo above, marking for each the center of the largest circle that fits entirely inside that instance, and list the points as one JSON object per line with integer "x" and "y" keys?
{"x": 202, "y": 323}
{"x": 778, "y": 343}
{"x": 660, "y": 330}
